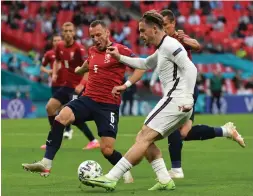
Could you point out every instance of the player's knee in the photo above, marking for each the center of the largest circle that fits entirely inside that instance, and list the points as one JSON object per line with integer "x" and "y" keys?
{"x": 107, "y": 150}
{"x": 184, "y": 130}
{"x": 65, "y": 117}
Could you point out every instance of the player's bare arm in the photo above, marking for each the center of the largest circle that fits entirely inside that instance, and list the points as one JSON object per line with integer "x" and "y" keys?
{"x": 192, "y": 43}
{"x": 137, "y": 75}
{"x": 83, "y": 69}
{"x": 56, "y": 68}
{"x": 45, "y": 70}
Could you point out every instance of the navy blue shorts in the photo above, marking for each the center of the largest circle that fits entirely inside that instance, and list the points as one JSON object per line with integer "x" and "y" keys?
{"x": 54, "y": 89}
{"x": 64, "y": 94}
{"x": 106, "y": 116}
{"x": 195, "y": 97}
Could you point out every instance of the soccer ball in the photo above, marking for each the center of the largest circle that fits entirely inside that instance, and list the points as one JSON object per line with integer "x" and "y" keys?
{"x": 89, "y": 169}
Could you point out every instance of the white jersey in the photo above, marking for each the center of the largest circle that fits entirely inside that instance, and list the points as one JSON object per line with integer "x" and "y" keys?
{"x": 178, "y": 76}
{"x": 170, "y": 69}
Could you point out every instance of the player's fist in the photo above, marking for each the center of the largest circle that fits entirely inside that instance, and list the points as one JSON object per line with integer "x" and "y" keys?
{"x": 113, "y": 51}
{"x": 54, "y": 78}
{"x": 180, "y": 34}
{"x": 50, "y": 72}
{"x": 117, "y": 90}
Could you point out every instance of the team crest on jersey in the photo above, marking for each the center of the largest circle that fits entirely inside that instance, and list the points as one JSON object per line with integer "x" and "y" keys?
{"x": 72, "y": 55}
{"x": 107, "y": 58}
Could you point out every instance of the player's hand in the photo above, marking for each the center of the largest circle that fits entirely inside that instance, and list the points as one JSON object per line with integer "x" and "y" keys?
{"x": 188, "y": 103}
{"x": 117, "y": 90}
{"x": 54, "y": 77}
{"x": 77, "y": 69}
{"x": 113, "y": 51}
{"x": 79, "y": 88}
{"x": 50, "y": 72}
{"x": 180, "y": 34}
{"x": 186, "y": 108}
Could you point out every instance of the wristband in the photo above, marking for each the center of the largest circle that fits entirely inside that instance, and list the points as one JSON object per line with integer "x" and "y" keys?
{"x": 128, "y": 83}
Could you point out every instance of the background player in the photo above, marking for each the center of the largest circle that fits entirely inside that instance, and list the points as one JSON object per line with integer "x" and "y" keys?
{"x": 69, "y": 54}
{"x": 49, "y": 58}
{"x": 97, "y": 102}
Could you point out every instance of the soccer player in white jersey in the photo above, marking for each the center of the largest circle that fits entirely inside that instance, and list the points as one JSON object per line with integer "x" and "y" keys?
{"x": 171, "y": 112}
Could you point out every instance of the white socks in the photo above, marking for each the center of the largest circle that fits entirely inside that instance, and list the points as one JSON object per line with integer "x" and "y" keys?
{"x": 47, "y": 162}
{"x": 119, "y": 169}
{"x": 161, "y": 171}
{"x": 224, "y": 132}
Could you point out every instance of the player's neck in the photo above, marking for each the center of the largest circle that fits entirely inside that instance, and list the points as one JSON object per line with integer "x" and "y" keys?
{"x": 159, "y": 39}
{"x": 70, "y": 43}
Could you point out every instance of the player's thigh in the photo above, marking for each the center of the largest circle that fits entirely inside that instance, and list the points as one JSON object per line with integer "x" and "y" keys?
{"x": 64, "y": 95}
{"x": 80, "y": 109}
{"x": 167, "y": 116}
{"x": 147, "y": 134}
{"x": 66, "y": 116}
{"x": 106, "y": 117}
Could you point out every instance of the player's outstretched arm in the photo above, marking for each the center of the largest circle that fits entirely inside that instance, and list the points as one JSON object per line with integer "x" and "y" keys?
{"x": 45, "y": 70}
{"x": 137, "y": 63}
{"x": 83, "y": 69}
{"x": 135, "y": 77}
{"x": 192, "y": 43}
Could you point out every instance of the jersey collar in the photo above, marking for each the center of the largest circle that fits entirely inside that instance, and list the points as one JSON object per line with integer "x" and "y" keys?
{"x": 161, "y": 42}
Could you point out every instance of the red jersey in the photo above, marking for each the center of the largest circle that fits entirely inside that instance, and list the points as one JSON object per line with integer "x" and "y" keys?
{"x": 83, "y": 82}
{"x": 187, "y": 48}
{"x": 70, "y": 58}
{"x": 105, "y": 72}
{"x": 49, "y": 58}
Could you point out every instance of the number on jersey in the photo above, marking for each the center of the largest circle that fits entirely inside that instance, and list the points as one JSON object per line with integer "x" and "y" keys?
{"x": 95, "y": 68}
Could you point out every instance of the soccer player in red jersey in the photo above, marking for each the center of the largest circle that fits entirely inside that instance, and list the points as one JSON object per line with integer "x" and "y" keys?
{"x": 68, "y": 55}
{"x": 97, "y": 102}
{"x": 49, "y": 58}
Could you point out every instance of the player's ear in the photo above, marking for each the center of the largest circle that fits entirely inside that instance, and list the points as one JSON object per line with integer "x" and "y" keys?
{"x": 108, "y": 32}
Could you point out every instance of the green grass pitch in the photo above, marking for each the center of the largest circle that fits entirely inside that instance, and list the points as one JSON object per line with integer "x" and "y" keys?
{"x": 217, "y": 167}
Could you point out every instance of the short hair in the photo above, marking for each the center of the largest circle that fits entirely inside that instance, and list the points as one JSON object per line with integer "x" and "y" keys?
{"x": 169, "y": 14}
{"x": 98, "y": 22}
{"x": 68, "y": 24}
{"x": 55, "y": 35}
{"x": 152, "y": 17}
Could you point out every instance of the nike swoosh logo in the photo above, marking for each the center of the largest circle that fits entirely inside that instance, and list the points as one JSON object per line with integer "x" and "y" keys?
{"x": 100, "y": 181}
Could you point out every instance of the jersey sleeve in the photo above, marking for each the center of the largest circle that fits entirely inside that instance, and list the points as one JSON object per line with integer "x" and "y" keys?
{"x": 127, "y": 51}
{"x": 83, "y": 53}
{"x": 45, "y": 60}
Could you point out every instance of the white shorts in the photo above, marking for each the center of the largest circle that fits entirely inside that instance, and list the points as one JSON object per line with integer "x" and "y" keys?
{"x": 167, "y": 116}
